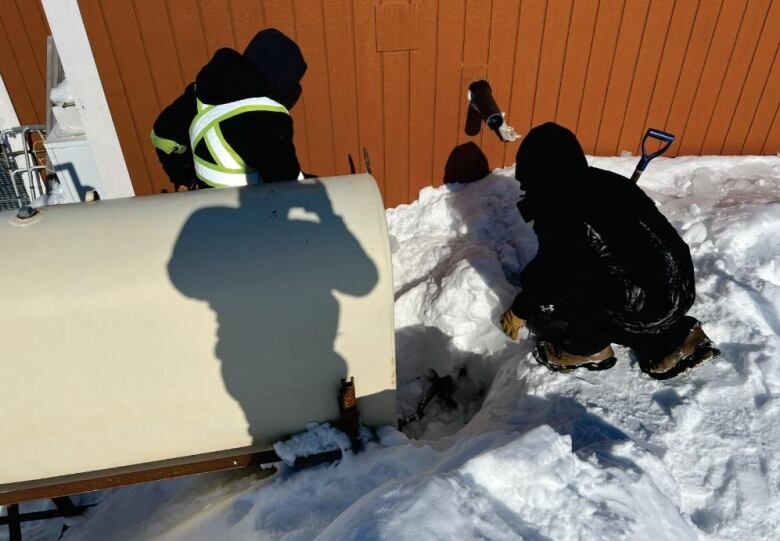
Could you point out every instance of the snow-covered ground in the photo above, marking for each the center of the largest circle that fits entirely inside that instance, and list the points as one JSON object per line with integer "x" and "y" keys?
{"x": 521, "y": 452}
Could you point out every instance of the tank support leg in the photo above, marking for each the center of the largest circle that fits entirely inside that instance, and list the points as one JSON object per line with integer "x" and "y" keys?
{"x": 348, "y": 413}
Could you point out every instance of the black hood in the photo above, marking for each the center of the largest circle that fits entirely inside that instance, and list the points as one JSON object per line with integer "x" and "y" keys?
{"x": 279, "y": 61}
{"x": 550, "y": 166}
{"x": 229, "y": 77}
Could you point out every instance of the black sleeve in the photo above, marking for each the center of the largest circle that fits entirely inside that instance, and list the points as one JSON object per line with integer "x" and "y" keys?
{"x": 539, "y": 279}
{"x": 180, "y": 168}
{"x": 174, "y": 121}
{"x": 264, "y": 140}
{"x": 528, "y": 302}
{"x": 173, "y": 124}
{"x": 561, "y": 269}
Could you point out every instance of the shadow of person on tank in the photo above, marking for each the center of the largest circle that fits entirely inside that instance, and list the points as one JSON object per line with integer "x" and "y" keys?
{"x": 268, "y": 269}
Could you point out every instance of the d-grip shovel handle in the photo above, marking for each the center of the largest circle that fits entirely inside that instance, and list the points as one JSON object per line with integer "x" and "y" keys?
{"x": 655, "y": 134}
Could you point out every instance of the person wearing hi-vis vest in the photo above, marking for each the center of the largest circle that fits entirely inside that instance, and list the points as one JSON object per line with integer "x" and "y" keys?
{"x": 232, "y": 126}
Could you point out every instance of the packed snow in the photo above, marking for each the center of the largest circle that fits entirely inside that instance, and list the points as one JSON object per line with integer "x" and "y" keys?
{"x": 516, "y": 451}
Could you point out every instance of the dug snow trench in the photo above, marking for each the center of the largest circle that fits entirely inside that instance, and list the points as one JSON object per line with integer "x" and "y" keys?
{"x": 522, "y": 452}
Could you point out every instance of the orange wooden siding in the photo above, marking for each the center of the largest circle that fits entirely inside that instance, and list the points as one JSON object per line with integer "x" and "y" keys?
{"x": 23, "y": 31}
{"x": 707, "y": 71}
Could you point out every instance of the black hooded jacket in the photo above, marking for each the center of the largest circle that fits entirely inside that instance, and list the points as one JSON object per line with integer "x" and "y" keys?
{"x": 605, "y": 251}
{"x": 271, "y": 66}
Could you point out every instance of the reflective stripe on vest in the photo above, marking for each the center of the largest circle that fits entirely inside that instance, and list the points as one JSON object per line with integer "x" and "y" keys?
{"x": 226, "y": 168}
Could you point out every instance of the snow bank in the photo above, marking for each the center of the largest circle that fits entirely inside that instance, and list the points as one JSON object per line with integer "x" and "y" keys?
{"x": 522, "y": 452}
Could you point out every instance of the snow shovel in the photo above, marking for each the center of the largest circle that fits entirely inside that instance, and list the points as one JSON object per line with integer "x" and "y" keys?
{"x": 655, "y": 134}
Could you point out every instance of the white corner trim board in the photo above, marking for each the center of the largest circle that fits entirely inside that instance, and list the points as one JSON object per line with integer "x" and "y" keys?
{"x": 73, "y": 46}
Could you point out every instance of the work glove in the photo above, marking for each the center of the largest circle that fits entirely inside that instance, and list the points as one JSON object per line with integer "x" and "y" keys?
{"x": 511, "y": 324}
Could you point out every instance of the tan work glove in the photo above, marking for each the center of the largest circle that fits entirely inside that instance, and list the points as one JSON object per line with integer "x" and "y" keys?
{"x": 510, "y": 324}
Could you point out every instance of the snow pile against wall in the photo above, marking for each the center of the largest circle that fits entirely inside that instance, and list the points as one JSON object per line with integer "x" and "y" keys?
{"x": 518, "y": 451}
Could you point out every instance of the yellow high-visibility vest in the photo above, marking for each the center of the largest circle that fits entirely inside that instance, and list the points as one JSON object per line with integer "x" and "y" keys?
{"x": 225, "y": 168}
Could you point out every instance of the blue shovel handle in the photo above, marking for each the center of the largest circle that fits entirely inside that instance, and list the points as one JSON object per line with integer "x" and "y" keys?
{"x": 668, "y": 138}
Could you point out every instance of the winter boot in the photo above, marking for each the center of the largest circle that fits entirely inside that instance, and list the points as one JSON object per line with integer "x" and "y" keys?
{"x": 695, "y": 349}
{"x": 558, "y": 360}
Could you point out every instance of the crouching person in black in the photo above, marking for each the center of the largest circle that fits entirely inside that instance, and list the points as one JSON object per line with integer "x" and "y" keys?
{"x": 610, "y": 267}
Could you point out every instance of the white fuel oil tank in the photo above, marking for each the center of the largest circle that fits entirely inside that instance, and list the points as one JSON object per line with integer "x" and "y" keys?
{"x": 171, "y": 328}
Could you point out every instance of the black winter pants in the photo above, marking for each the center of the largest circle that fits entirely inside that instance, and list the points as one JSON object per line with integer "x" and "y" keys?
{"x": 583, "y": 333}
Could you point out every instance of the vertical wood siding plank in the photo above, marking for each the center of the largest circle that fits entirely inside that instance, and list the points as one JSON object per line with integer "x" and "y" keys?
{"x": 632, "y": 128}
{"x": 36, "y": 29}
{"x": 215, "y": 17}
{"x": 744, "y": 83}
{"x": 397, "y": 26}
{"x": 575, "y": 66}
{"x": 155, "y": 28}
{"x": 599, "y": 68}
{"x": 279, "y": 14}
{"x": 422, "y": 88}
{"x": 395, "y": 67}
{"x": 14, "y": 82}
{"x": 188, "y": 35}
{"x": 736, "y": 78}
{"x": 711, "y": 81}
{"x": 125, "y": 38}
{"x": 396, "y": 91}
{"x": 624, "y": 67}
{"x": 692, "y": 68}
{"x": 42, "y": 15}
{"x": 548, "y": 82}
{"x": 111, "y": 79}
{"x": 772, "y": 143}
{"x": 766, "y": 112}
{"x": 19, "y": 47}
{"x": 501, "y": 63}
{"x": 677, "y": 40}
{"x": 369, "y": 90}
{"x": 341, "y": 80}
{"x": 310, "y": 34}
{"x": 734, "y": 81}
{"x": 525, "y": 71}
{"x": 755, "y": 83}
{"x": 476, "y": 48}
{"x": 449, "y": 68}
{"x": 248, "y": 19}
